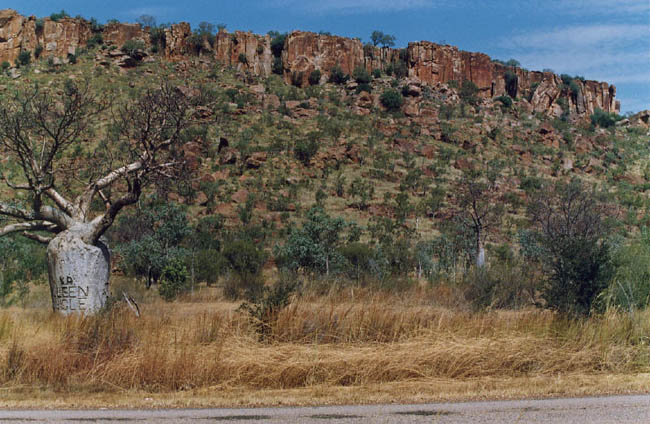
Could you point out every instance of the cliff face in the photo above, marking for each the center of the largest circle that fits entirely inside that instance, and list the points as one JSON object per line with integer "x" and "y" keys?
{"x": 58, "y": 39}
{"x": 304, "y": 52}
{"x": 245, "y": 51}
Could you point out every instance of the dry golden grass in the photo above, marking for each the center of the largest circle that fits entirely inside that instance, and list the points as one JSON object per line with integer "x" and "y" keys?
{"x": 323, "y": 350}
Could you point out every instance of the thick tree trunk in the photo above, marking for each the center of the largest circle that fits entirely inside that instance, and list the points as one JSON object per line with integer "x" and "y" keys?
{"x": 78, "y": 274}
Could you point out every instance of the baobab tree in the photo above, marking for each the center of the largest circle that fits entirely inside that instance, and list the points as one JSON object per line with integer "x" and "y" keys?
{"x": 68, "y": 184}
{"x": 480, "y": 211}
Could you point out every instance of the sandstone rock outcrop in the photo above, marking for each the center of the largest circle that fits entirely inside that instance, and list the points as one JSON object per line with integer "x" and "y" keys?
{"x": 177, "y": 45}
{"x": 306, "y": 51}
{"x": 426, "y": 63}
{"x": 245, "y": 51}
{"x": 117, "y": 34}
{"x": 58, "y": 38}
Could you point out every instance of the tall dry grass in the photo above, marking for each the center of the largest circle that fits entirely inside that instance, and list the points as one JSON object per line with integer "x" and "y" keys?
{"x": 328, "y": 341}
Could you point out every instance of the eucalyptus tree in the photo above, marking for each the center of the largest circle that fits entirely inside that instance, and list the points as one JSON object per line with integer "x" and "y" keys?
{"x": 74, "y": 159}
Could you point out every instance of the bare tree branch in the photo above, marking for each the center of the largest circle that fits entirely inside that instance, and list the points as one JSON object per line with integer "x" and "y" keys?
{"x": 32, "y": 226}
{"x": 61, "y": 201}
{"x": 16, "y": 212}
{"x": 37, "y": 237}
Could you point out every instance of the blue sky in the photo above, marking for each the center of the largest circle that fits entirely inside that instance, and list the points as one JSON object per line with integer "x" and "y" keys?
{"x": 599, "y": 39}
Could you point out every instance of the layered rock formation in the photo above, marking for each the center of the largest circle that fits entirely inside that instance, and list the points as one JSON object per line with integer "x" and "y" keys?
{"x": 425, "y": 62}
{"x": 57, "y": 38}
{"x": 244, "y": 50}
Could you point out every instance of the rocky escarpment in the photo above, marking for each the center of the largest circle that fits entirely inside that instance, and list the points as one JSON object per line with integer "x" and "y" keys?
{"x": 57, "y": 38}
{"x": 303, "y": 52}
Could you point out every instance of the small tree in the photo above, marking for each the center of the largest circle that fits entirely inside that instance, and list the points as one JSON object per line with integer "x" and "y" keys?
{"x": 146, "y": 21}
{"x": 246, "y": 260}
{"x": 572, "y": 233}
{"x": 24, "y": 57}
{"x": 480, "y": 212}
{"x": 386, "y": 40}
{"x": 314, "y": 246}
{"x": 152, "y": 238}
{"x": 173, "y": 280}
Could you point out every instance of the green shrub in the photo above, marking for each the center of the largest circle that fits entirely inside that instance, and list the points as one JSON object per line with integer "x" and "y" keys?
{"x": 39, "y": 25}
{"x": 359, "y": 257}
{"x": 173, "y": 280}
{"x": 242, "y": 59}
{"x": 297, "y": 78}
{"x": 512, "y": 83}
{"x": 37, "y": 51}
{"x": 57, "y": 16}
{"x": 364, "y": 87}
{"x": 305, "y": 150}
{"x": 95, "y": 40}
{"x": 505, "y": 284}
{"x": 131, "y": 48}
{"x": 506, "y": 101}
{"x": 208, "y": 265}
{"x": 468, "y": 92}
{"x": 314, "y": 77}
{"x": 245, "y": 259}
{"x": 604, "y": 119}
{"x": 337, "y": 76}
{"x": 5, "y": 65}
{"x": 376, "y": 73}
{"x": 400, "y": 69}
{"x": 391, "y": 99}
{"x": 24, "y": 57}
{"x": 361, "y": 75}
{"x": 630, "y": 287}
{"x": 267, "y": 305}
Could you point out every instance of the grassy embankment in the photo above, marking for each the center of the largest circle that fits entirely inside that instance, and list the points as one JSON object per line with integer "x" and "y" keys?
{"x": 347, "y": 347}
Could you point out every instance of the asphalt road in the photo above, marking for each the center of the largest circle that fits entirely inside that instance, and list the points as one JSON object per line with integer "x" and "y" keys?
{"x": 600, "y": 410}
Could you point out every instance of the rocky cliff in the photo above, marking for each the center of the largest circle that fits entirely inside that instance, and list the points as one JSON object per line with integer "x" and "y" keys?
{"x": 424, "y": 62}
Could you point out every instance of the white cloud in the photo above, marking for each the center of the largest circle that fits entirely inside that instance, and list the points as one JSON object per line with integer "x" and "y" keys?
{"x": 580, "y": 36}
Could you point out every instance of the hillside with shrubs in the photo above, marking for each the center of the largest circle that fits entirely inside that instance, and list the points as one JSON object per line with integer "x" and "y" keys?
{"x": 365, "y": 187}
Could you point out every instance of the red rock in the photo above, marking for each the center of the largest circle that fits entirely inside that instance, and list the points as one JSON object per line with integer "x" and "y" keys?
{"x": 240, "y": 196}
{"x": 427, "y": 63}
{"x": 256, "y": 49}
{"x": 201, "y": 198}
{"x": 271, "y": 101}
{"x": 256, "y": 160}
{"x": 307, "y": 51}
{"x": 428, "y": 152}
{"x": 117, "y": 34}
{"x": 177, "y": 44}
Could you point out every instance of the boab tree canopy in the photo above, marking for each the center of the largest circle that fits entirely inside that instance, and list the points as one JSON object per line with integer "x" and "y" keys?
{"x": 70, "y": 171}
